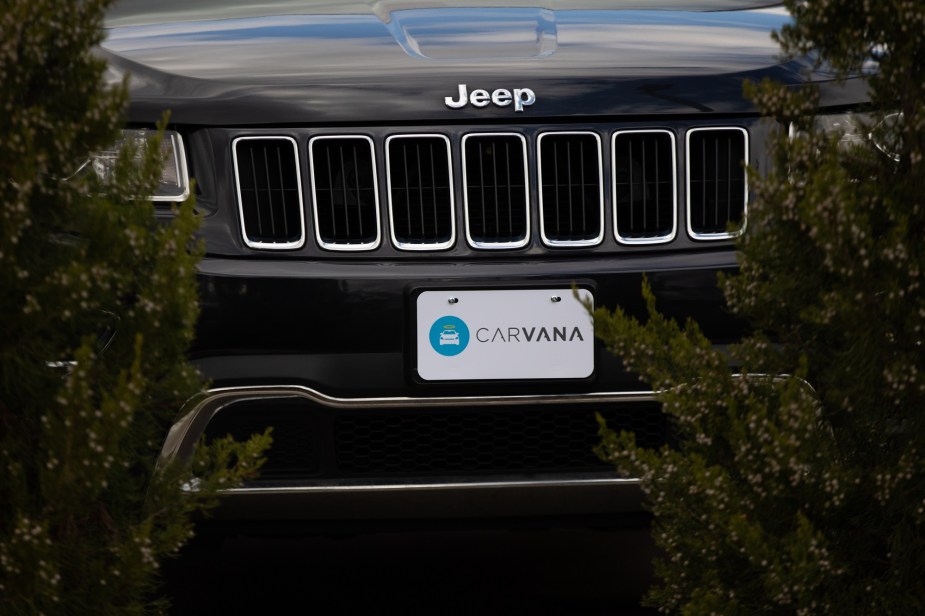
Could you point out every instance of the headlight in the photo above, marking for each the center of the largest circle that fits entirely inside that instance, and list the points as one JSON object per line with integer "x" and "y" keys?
{"x": 859, "y": 129}
{"x": 851, "y": 128}
{"x": 887, "y": 135}
{"x": 174, "y": 181}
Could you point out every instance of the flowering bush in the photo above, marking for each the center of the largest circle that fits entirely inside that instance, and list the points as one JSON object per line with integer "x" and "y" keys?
{"x": 98, "y": 305}
{"x": 798, "y": 482}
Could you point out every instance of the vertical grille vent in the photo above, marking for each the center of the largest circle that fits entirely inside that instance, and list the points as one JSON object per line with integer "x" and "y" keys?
{"x": 420, "y": 192}
{"x": 269, "y": 192}
{"x": 717, "y": 190}
{"x": 496, "y": 190}
{"x": 346, "y": 197}
{"x": 571, "y": 194}
{"x": 644, "y": 186}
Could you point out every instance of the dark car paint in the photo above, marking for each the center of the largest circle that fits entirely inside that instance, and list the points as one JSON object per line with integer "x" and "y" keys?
{"x": 374, "y": 69}
{"x": 310, "y": 69}
{"x": 303, "y": 317}
{"x": 270, "y": 308}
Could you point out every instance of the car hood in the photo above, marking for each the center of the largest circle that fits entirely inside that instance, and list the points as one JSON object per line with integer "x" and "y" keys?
{"x": 296, "y": 62}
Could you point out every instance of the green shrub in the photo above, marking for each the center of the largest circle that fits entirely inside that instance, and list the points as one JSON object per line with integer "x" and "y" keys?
{"x": 801, "y": 488}
{"x": 84, "y": 520}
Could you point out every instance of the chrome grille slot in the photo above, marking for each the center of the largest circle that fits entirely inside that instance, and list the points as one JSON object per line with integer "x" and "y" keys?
{"x": 495, "y": 179}
{"x": 345, "y": 192}
{"x": 269, "y": 192}
{"x": 420, "y": 192}
{"x": 717, "y": 190}
{"x": 571, "y": 189}
{"x": 644, "y": 186}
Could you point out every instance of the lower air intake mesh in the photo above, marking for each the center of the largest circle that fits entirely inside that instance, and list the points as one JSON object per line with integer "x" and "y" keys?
{"x": 316, "y": 442}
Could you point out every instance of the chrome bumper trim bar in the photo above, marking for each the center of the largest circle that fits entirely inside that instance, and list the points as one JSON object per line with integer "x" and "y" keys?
{"x": 428, "y": 487}
{"x": 199, "y": 410}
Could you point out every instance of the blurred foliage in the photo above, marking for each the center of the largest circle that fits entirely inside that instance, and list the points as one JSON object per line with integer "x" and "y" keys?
{"x": 84, "y": 519}
{"x": 800, "y": 488}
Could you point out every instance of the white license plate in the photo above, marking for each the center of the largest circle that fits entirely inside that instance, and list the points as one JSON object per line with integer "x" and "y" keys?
{"x": 510, "y": 334}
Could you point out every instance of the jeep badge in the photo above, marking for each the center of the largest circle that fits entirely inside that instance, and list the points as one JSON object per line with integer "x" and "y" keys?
{"x": 521, "y": 97}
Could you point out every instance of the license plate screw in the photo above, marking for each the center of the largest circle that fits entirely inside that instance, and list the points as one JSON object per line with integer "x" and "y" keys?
{"x": 555, "y": 299}
{"x": 453, "y": 300}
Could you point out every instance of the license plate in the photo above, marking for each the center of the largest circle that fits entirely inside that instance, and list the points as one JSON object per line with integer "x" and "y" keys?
{"x": 504, "y": 334}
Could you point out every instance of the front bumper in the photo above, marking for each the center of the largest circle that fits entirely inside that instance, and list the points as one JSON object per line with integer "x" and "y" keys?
{"x": 358, "y": 435}
{"x": 413, "y": 496}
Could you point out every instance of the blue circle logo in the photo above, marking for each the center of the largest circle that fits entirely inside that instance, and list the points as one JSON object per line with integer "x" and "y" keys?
{"x": 449, "y": 336}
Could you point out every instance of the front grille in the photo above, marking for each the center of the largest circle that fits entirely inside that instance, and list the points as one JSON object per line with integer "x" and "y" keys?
{"x": 495, "y": 177}
{"x": 571, "y": 189}
{"x": 420, "y": 178}
{"x": 269, "y": 192}
{"x": 644, "y": 194}
{"x": 717, "y": 191}
{"x": 420, "y": 192}
{"x": 315, "y": 442}
{"x": 345, "y": 191}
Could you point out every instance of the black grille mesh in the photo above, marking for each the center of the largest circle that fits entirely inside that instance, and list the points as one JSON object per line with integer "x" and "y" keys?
{"x": 496, "y": 193}
{"x": 716, "y": 189}
{"x": 571, "y": 187}
{"x": 420, "y": 191}
{"x": 296, "y": 448}
{"x": 316, "y": 442}
{"x": 644, "y": 175}
{"x": 345, "y": 191}
{"x": 271, "y": 206}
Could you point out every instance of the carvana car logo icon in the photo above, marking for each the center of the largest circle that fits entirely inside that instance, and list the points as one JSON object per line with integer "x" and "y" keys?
{"x": 449, "y": 336}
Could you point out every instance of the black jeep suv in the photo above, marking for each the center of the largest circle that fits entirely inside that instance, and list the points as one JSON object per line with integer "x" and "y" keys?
{"x": 406, "y": 204}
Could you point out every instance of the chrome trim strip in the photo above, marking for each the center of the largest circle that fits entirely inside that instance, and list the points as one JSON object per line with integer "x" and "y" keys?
{"x": 497, "y": 245}
{"x": 452, "y": 191}
{"x": 179, "y": 153}
{"x": 199, "y": 410}
{"x": 428, "y": 487}
{"x": 661, "y": 239}
{"x": 600, "y": 182}
{"x": 299, "y": 391}
{"x": 311, "y": 165}
{"x": 687, "y": 170}
{"x": 237, "y": 181}
{"x": 61, "y": 364}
